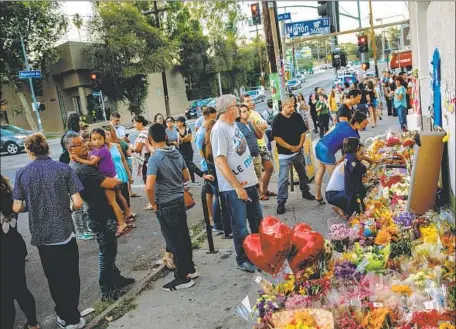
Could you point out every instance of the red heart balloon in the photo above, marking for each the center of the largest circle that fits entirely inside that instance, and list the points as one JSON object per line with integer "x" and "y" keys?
{"x": 307, "y": 247}
{"x": 275, "y": 241}
{"x": 252, "y": 247}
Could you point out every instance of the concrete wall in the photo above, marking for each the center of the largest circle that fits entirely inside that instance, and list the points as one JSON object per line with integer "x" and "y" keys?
{"x": 432, "y": 26}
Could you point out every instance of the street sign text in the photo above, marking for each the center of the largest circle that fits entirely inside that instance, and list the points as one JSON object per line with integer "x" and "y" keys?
{"x": 30, "y": 74}
{"x": 284, "y": 17}
{"x": 308, "y": 28}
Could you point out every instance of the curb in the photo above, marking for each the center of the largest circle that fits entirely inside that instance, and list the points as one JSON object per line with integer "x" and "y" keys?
{"x": 137, "y": 288}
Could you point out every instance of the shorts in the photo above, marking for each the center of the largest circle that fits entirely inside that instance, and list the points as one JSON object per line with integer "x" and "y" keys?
{"x": 265, "y": 154}
{"x": 362, "y": 108}
{"x": 324, "y": 155}
{"x": 257, "y": 166}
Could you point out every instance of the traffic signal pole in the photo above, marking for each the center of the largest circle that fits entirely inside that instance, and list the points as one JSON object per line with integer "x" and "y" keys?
{"x": 32, "y": 90}
{"x": 374, "y": 43}
{"x": 363, "y": 57}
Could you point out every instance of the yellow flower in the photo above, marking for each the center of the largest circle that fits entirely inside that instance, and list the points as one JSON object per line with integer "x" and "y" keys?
{"x": 446, "y": 325}
{"x": 429, "y": 234}
{"x": 402, "y": 289}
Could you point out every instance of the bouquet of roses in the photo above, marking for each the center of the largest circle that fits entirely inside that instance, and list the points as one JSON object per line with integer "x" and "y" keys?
{"x": 341, "y": 236}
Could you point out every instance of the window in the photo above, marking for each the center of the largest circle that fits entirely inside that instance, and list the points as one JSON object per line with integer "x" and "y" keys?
{"x": 77, "y": 104}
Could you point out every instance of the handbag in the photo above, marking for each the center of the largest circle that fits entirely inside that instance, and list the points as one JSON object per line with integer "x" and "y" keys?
{"x": 188, "y": 200}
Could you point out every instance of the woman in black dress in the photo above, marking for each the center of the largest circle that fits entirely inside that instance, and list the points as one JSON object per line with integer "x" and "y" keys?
{"x": 13, "y": 253}
{"x": 185, "y": 143}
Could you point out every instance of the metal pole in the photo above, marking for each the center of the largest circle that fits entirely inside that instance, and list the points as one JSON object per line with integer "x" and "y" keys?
{"x": 103, "y": 107}
{"x": 27, "y": 65}
{"x": 374, "y": 44}
{"x": 363, "y": 56}
{"x": 210, "y": 240}
{"x": 219, "y": 83}
{"x": 259, "y": 56}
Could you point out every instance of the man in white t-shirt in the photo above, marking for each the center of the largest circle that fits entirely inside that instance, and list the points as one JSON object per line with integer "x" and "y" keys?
{"x": 236, "y": 176}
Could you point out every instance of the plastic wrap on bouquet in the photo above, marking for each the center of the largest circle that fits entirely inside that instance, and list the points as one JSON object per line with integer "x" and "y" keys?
{"x": 323, "y": 318}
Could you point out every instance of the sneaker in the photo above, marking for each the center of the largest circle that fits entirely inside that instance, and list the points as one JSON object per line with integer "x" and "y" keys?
{"x": 178, "y": 284}
{"x": 308, "y": 196}
{"x": 217, "y": 231}
{"x": 247, "y": 267}
{"x": 84, "y": 236}
{"x": 110, "y": 293}
{"x": 62, "y": 323}
{"x": 88, "y": 235}
{"x": 281, "y": 208}
{"x": 193, "y": 275}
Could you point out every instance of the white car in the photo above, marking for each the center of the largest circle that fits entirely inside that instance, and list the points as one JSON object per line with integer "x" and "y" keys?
{"x": 301, "y": 77}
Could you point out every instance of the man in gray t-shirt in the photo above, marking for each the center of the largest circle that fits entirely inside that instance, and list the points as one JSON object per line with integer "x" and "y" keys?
{"x": 236, "y": 176}
{"x": 166, "y": 173}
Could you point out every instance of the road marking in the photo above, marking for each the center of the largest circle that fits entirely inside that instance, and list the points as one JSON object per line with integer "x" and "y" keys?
{"x": 19, "y": 166}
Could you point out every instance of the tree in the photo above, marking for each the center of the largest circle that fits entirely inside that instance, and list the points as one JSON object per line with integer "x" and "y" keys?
{"x": 77, "y": 21}
{"x": 393, "y": 35}
{"x": 351, "y": 50}
{"x": 39, "y": 23}
{"x": 126, "y": 49}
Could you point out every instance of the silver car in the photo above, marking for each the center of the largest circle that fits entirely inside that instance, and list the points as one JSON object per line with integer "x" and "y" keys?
{"x": 12, "y": 138}
{"x": 257, "y": 97}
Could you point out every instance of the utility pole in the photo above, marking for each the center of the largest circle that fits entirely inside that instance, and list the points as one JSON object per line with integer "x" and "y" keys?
{"x": 269, "y": 39}
{"x": 165, "y": 83}
{"x": 259, "y": 56}
{"x": 359, "y": 25}
{"x": 32, "y": 90}
{"x": 374, "y": 45}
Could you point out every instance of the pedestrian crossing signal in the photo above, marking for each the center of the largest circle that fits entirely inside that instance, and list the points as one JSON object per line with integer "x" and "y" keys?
{"x": 256, "y": 15}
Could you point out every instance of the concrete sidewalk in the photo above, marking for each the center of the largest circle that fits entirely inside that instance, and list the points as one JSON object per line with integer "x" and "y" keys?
{"x": 210, "y": 304}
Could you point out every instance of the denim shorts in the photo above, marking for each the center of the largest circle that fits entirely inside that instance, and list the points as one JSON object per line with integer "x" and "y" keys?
{"x": 324, "y": 155}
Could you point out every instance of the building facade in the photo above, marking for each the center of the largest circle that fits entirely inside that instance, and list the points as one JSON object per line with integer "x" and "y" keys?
{"x": 432, "y": 31}
{"x": 68, "y": 89}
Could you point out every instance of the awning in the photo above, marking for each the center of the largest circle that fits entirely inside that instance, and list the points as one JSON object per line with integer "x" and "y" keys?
{"x": 403, "y": 59}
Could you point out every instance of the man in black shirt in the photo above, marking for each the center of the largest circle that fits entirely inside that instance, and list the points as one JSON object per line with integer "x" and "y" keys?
{"x": 345, "y": 111}
{"x": 289, "y": 132}
{"x": 102, "y": 219}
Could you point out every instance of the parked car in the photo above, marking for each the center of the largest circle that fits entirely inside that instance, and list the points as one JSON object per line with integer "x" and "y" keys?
{"x": 293, "y": 84}
{"x": 12, "y": 138}
{"x": 260, "y": 89}
{"x": 194, "y": 110}
{"x": 256, "y": 96}
{"x": 301, "y": 77}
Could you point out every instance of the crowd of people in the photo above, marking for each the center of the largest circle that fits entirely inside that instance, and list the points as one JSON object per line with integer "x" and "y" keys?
{"x": 87, "y": 193}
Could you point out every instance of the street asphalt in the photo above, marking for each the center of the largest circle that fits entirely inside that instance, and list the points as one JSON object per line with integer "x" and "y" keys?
{"x": 141, "y": 247}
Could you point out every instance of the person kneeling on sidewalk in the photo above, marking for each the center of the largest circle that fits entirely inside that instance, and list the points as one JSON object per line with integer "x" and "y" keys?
{"x": 166, "y": 174}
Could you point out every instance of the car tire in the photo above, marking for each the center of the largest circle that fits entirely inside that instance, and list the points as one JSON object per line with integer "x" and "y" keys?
{"x": 189, "y": 117}
{"x": 12, "y": 148}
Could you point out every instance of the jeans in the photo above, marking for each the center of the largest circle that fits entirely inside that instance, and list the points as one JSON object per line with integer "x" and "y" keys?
{"x": 217, "y": 212}
{"x": 270, "y": 139}
{"x": 323, "y": 123}
{"x": 389, "y": 105}
{"x": 298, "y": 163}
{"x": 61, "y": 267}
{"x": 105, "y": 233}
{"x": 81, "y": 219}
{"x": 239, "y": 210}
{"x": 402, "y": 116}
{"x": 14, "y": 287}
{"x": 172, "y": 217}
{"x": 338, "y": 199}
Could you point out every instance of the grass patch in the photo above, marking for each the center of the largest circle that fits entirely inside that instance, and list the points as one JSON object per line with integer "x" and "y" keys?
{"x": 124, "y": 306}
{"x": 195, "y": 230}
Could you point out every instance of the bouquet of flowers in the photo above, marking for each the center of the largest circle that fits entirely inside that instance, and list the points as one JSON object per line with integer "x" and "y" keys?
{"x": 341, "y": 236}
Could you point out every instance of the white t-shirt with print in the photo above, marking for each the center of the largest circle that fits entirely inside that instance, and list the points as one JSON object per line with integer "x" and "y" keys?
{"x": 227, "y": 140}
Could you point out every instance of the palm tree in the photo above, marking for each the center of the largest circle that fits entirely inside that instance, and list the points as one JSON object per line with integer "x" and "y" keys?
{"x": 63, "y": 25}
{"x": 77, "y": 21}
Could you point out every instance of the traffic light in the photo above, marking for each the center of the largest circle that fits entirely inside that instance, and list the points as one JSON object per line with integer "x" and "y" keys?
{"x": 336, "y": 60}
{"x": 363, "y": 45}
{"x": 343, "y": 59}
{"x": 256, "y": 15}
{"x": 365, "y": 66}
{"x": 324, "y": 9}
{"x": 95, "y": 81}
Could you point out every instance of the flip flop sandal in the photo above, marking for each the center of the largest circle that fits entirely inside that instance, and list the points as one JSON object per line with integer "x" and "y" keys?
{"x": 130, "y": 218}
{"x": 148, "y": 207}
{"x": 125, "y": 231}
{"x": 264, "y": 197}
{"x": 269, "y": 193}
{"x": 135, "y": 195}
{"x": 320, "y": 201}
